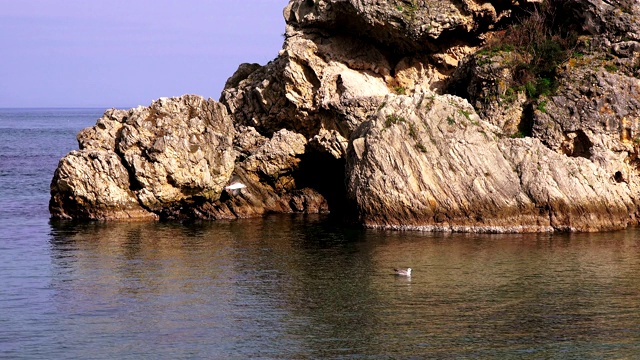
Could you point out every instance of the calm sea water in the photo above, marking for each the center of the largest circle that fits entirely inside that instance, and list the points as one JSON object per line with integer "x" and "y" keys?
{"x": 291, "y": 287}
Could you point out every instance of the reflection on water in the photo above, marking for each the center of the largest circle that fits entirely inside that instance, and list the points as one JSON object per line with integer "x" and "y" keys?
{"x": 299, "y": 287}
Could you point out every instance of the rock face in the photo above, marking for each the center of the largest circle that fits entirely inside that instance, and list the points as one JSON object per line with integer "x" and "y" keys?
{"x": 310, "y": 87}
{"x": 268, "y": 167}
{"x": 172, "y": 150}
{"x": 455, "y": 172}
{"x": 496, "y": 116}
{"x": 164, "y": 161}
{"x": 94, "y": 184}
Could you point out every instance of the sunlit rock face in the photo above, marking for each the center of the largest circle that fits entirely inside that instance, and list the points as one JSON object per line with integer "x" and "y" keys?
{"x": 429, "y": 162}
{"x": 500, "y": 116}
{"x": 174, "y": 159}
{"x": 133, "y": 163}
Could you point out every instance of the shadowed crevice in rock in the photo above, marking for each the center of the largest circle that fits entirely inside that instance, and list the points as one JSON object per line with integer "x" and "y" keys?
{"x": 577, "y": 144}
{"x": 325, "y": 174}
{"x": 134, "y": 184}
{"x": 525, "y": 126}
{"x": 267, "y": 167}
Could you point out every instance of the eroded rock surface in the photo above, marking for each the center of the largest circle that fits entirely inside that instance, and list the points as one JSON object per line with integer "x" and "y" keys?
{"x": 94, "y": 184}
{"x": 172, "y": 160}
{"x": 311, "y": 87}
{"x": 408, "y": 26}
{"x": 497, "y": 116}
{"x": 429, "y": 162}
{"x": 267, "y": 166}
{"x": 152, "y": 156}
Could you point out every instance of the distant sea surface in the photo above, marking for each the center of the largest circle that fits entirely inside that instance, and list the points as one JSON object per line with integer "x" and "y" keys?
{"x": 290, "y": 287}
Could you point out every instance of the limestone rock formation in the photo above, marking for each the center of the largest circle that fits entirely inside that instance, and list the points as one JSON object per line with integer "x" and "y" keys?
{"x": 429, "y": 162}
{"x": 176, "y": 148}
{"x": 578, "y": 96}
{"x": 268, "y": 168}
{"x": 408, "y": 26}
{"x": 488, "y": 81}
{"x": 311, "y": 86}
{"x": 172, "y": 160}
{"x": 340, "y": 58}
{"x": 500, "y": 116}
{"x": 94, "y": 184}
{"x": 593, "y": 114}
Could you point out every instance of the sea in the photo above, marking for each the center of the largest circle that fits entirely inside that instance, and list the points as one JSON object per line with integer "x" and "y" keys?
{"x": 291, "y": 286}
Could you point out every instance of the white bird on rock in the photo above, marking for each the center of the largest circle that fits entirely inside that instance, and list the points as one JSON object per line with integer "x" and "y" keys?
{"x": 235, "y": 187}
{"x": 403, "y": 272}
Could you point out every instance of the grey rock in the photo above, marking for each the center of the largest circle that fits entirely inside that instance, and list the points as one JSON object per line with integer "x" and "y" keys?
{"x": 594, "y": 114}
{"x": 268, "y": 168}
{"x": 316, "y": 83}
{"x": 406, "y": 26}
{"x": 487, "y": 81}
{"x": 243, "y": 72}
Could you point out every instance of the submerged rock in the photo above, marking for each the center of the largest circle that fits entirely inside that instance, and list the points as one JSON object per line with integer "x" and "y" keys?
{"x": 496, "y": 116}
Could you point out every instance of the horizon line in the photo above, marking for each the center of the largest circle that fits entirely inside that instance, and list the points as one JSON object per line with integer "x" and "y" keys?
{"x": 68, "y": 107}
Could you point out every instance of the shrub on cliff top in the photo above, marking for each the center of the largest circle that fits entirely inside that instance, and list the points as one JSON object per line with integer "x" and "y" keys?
{"x": 545, "y": 33}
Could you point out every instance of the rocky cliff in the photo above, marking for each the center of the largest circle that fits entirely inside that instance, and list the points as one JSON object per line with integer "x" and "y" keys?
{"x": 495, "y": 116}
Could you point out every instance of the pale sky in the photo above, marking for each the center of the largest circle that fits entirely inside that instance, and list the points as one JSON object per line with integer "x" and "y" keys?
{"x": 124, "y": 53}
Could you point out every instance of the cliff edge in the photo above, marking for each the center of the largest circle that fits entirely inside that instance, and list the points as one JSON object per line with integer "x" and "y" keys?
{"x": 497, "y": 116}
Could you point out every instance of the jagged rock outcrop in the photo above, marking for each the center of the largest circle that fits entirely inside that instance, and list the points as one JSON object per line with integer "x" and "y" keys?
{"x": 498, "y": 116}
{"x": 594, "y": 114}
{"x": 579, "y": 96}
{"x": 172, "y": 160}
{"x": 151, "y": 156}
{"x": 488, "y": 80}
{"x": 615, "y": 20}
{"x": 340, "y": 58}
{"x": 268, "y": 167}
{"x": 94, "y": 184}
{"x": 311, "y": 86}
{"x": 407, "y": 26}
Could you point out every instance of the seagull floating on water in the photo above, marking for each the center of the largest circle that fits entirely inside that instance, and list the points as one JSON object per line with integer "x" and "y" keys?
{"x": 403, "y": 272}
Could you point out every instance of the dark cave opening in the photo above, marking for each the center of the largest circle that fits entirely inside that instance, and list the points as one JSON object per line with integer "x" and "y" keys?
{"x": 324, "y": 173}
{"x": 577, "y": 144}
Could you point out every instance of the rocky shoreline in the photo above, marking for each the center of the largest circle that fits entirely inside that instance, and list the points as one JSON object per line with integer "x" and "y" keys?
{"x": 500, "y": 116}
